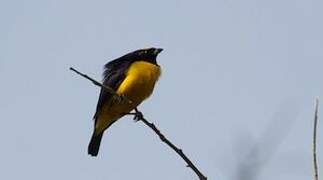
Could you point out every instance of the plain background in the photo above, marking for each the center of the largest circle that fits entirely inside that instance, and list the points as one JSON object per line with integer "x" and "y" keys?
{"x": 237, "y": 90}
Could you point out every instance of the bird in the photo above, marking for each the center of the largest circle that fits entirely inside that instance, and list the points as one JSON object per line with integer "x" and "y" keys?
{"x": 132, "y": 76}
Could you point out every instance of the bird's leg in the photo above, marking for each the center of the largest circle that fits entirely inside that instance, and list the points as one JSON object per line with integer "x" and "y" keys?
{"x": 116, "y": 99}
{"x": 119, "y": 99}
{"x": 124, "y": 99}
{"x": 138, "y": 115}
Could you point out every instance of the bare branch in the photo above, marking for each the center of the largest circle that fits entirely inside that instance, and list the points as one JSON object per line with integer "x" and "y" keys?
{"x": 139, "y": 116}
{"x": 316, "y": 176}
{"x": 97, "y": 83}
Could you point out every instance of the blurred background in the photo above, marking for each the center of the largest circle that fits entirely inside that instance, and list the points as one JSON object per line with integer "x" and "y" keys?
{"x": 237, "y": 90}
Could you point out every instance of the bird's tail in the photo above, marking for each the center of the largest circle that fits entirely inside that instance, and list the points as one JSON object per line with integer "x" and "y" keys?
{"x": 94, "y": 144}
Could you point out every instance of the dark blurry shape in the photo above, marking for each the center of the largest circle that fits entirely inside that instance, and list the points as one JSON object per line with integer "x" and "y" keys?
{"x": 257, "y": 153}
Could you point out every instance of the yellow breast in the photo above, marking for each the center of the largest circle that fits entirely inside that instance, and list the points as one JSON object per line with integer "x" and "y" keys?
{"x": 140, "y": 81}
{"x": 137, "y": 86}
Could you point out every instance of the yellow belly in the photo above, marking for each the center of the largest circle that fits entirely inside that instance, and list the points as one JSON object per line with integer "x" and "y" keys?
{"x": 137, "y": 86}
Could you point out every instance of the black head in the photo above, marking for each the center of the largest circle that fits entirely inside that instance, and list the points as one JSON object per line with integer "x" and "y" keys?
{"x": 149, "y": 55}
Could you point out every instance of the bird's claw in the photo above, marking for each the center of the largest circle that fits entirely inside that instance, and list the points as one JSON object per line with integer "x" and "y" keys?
{"x": 138, "y": 116}
{"x": 120, "y": 99}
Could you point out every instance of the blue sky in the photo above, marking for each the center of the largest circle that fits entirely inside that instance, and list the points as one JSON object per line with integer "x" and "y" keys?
{"x": 237, "y": 90}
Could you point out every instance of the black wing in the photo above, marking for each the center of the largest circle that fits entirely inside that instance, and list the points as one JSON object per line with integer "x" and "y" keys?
{"x": 113, "y": 75}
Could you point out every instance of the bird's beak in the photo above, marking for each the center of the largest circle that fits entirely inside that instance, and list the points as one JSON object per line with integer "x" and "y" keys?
{"x": 158, "y": 50}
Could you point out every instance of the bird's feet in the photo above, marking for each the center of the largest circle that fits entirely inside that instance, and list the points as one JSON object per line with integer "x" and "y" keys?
{"x": 138, "y": 115}
{"x": 119, "y": 99}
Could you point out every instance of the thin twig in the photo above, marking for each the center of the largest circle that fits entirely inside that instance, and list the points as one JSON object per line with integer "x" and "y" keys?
{"x": 97, "y": 83}
{"x": 171, "y": 145}
{"x": 140, "y": 117}
{"x": 316, "y": 176}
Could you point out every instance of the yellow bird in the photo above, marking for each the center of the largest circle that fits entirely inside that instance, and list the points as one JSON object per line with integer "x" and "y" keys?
{"x": 133, "y": 76}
